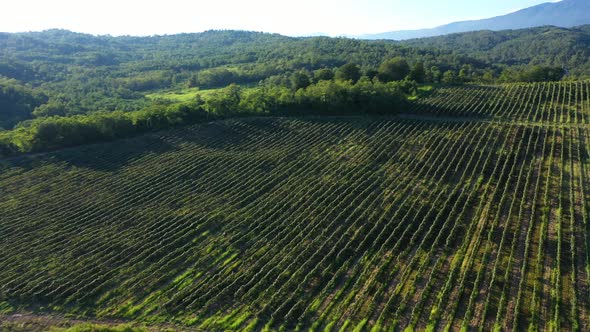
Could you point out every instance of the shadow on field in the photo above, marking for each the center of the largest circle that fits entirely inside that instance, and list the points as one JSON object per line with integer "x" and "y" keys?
{"x": 238, "y": 133}
{"x": 106, "y": 157}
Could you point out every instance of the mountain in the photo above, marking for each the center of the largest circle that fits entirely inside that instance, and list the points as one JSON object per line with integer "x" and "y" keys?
{"x": 566, "y": 13}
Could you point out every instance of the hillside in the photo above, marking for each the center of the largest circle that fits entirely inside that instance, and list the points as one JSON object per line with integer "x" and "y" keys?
{"x": 565, "y": 13}
{"x": 468, "y": 210}
{"x": 60, "y": 73}
{"x": 548, "y": 46}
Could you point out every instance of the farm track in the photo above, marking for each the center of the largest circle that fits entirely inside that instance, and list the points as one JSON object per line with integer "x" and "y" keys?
{"x": 468, "y": 211}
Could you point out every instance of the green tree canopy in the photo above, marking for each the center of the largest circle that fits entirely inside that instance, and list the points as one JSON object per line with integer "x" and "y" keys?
{"x": 17, "y": 102}
{"x": 349, "y": 72}
{"x": 450, "y": 77}
{"x": 418, "y": 73}
{"x": 300, "y": 80}
{"x": 395, "y": 69}
{"x": 324, "y": 74}
{"x": 542, "y": 74}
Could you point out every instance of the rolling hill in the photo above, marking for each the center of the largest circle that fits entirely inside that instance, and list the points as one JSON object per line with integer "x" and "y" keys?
{"x": 73, "y": 73}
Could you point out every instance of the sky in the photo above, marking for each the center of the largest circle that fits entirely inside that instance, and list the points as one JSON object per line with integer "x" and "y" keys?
{"x": 293, "y": 17}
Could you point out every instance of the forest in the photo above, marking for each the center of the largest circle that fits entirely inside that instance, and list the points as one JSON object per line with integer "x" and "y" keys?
{"x": 59, "y": 88}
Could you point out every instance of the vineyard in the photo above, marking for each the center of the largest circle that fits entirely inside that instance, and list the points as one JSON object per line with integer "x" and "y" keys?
{"x": 470, "y": 211}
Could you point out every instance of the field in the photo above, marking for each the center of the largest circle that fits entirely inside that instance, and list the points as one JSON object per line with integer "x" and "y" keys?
{"x": 470, "y": 211}
{"x": 185, "y": 95}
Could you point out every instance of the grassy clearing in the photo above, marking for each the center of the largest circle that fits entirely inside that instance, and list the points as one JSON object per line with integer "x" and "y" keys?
{"x": 182, "y": 96}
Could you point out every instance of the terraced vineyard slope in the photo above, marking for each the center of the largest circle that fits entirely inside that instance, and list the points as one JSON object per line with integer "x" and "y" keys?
{"x": 469, "y": 211}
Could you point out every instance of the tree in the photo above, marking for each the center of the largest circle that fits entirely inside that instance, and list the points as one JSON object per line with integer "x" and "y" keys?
{"x": 395, "y": 69}
{"x": 225, "y": 101}
{"x": 193, "y": 81}
{"x": 418, "y": 73}
{"x": 508, "y": 75}
{"x": 450, "y": 77}
{"x": 462, "y": 75}
{"x": 216, "y": 77}
{"x": 300, "y": 80}
{"x": 52, "y": 108}
{"x": 488, "y": 76}
{"x": 17, "y": 102}
{"x": 542, "y": 74}
{"x": 349, "y": 72}
{"x": 324, "y": 74}
{"x": 435, "y": 74}
{"x": 371, "y": 73}
{"x": 532, "y": 74}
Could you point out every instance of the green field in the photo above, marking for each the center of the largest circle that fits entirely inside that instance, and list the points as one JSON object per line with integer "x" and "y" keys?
{"x": 467, "y": 211}
{"x": 181, "y": 96}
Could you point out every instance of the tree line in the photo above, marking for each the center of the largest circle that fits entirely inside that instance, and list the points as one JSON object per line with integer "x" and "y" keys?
{"x": 326, "y": 97}
{"x": 82, "y": 73}
{"x": 54, "y": 81}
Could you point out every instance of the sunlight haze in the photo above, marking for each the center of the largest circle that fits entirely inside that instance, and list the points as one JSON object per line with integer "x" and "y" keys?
{"x": 303, "y": 17}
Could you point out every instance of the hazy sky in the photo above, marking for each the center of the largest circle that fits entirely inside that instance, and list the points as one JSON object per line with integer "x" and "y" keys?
{"x": 294, "y": 17}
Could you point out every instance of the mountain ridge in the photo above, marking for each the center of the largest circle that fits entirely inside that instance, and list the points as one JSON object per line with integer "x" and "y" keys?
{"x": 566, "y": 14}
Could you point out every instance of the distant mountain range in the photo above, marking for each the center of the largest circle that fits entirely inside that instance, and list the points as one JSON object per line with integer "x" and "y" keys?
{"x": 566, "y": 13}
